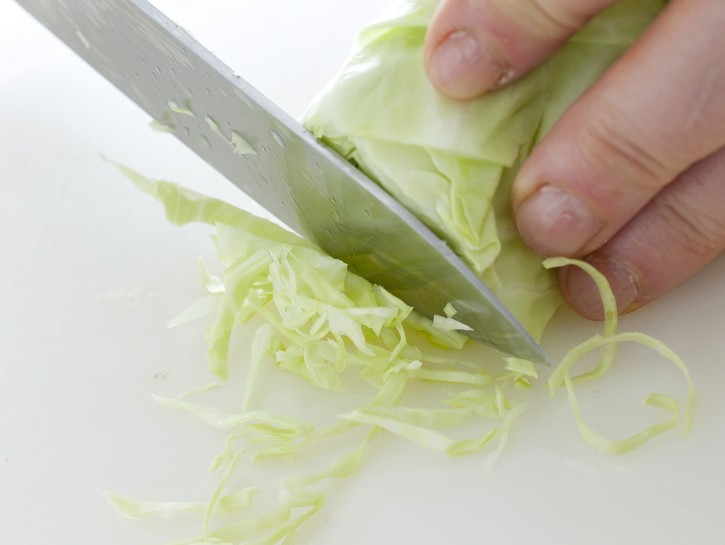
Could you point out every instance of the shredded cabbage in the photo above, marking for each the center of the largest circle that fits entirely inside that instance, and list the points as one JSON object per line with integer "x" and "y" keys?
{"x": 450, "y": 162}
{"x": 607, "y": 343}
{"x": 324, "y": 325}
{"x": 327, "y": 326}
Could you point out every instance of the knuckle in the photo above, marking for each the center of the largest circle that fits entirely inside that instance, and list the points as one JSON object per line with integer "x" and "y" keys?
{"x": 692, "y": 225}
{"x": 557, "y": 16}
{"x": 612, "y": 142}
{"x": 549, "y": 19}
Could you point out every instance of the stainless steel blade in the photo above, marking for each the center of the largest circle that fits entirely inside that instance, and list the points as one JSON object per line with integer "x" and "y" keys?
{"x": 274, "y": 160}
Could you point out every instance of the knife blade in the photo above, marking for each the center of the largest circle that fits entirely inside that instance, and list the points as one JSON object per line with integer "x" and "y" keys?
{"x": 278, "y": 163}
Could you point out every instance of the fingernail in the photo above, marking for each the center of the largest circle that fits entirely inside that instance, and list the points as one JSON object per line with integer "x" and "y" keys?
{"x": 462, "y": 68}
{"x": 553, "y": 222}
{"x": 582, "y": 295}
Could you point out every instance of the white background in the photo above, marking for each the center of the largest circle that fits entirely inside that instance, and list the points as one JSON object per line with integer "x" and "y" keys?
{"x": 90, "y": 273}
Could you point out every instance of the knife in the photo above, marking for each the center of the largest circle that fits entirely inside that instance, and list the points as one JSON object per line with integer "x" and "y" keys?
{"x": 278, "y": 163}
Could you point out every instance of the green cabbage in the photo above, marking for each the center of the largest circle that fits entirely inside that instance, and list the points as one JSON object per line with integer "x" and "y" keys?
{"x": 452, "y": 162}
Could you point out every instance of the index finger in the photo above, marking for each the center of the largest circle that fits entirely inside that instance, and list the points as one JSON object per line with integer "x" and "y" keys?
{"x": 473, "y": 46}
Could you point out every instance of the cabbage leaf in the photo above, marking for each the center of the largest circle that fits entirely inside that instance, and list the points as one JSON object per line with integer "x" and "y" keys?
{"x": 451, "y": 162}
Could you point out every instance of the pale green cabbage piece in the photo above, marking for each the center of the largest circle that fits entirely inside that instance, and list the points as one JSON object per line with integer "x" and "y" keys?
{"x": 452, "y": 162}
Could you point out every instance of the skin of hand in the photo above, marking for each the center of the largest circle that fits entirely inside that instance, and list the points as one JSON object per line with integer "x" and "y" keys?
{"x": 632, "y": 177}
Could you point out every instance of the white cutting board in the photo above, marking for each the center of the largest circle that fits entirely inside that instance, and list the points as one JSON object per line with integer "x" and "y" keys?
{"x": 90, "y": 273}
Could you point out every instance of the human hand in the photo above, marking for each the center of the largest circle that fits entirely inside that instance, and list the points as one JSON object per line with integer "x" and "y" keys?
{"x": 633, "y": 175}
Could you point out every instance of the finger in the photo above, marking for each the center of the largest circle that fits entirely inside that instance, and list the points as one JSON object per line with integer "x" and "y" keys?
{"x": 475, "y": 45}
{"x": 676, "y": 235}
{"x": 658, "y": 110}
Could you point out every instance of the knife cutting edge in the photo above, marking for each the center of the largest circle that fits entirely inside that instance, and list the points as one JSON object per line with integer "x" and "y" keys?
{"x": 278, "y": 163}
